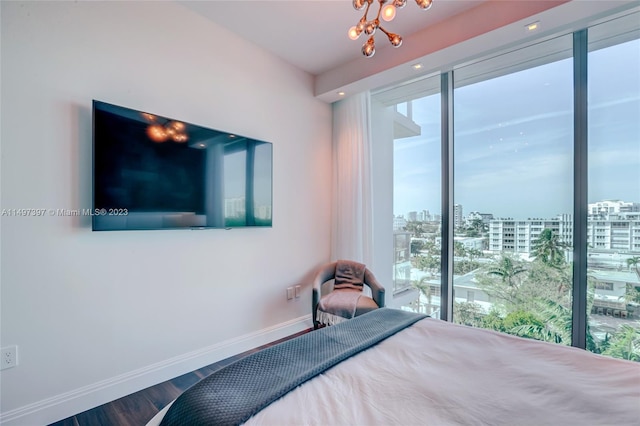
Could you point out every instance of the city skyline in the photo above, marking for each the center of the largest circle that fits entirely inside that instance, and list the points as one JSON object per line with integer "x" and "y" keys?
{"x": 466, "y": 212}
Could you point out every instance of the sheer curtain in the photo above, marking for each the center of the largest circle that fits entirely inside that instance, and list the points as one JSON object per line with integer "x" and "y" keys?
{"x": 352, "y": 230}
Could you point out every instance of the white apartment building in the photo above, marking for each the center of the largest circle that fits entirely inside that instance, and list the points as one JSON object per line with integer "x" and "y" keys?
{"x": 613, "y": 206}
{"x": 618, "y": 231}
{"x": 519, "y": 236}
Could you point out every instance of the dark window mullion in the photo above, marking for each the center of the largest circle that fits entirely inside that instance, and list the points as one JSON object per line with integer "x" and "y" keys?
{"x": 580, "y": 190}
{"x": 446, "y": 249}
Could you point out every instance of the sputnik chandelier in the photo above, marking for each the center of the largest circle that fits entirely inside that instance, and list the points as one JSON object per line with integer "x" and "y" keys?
{"x": 387, "y": 13}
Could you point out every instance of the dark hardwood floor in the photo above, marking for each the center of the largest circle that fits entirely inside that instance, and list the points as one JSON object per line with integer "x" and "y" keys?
{"x": 138, "y": 408}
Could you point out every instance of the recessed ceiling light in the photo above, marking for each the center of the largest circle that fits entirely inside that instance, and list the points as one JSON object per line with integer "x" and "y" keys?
{"x": 341, "y": 93}
{"x": 533, "y": 26}
{"x": 416, "y": 66}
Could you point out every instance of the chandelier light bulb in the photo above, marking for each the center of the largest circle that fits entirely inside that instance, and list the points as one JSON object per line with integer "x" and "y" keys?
{"x": 395, "y": 39}
{"x": 157, "y": 133}
{"x": 388, "y": 12}
{"x": 177, "y": 126}
{"x": 358, "y": 4}
{"x": 179, "y": 137}
{"x": 424, "y": 4}
{"x": 354, "y": 33}
{"x": 369, "y": 48}
{"x": 370, "y": 28}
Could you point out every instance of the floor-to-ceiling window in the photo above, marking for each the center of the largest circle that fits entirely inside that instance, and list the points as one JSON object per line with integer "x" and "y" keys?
{"x": 513, "y": 192}
{"x": 613, "y": 226}
{"x": 520, "y": 144}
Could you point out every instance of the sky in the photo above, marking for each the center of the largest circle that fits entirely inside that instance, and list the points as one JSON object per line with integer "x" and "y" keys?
{"x": 513, "y": 140}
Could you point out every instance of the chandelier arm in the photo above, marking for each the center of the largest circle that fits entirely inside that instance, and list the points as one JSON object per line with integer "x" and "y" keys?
{"x": 366, "y": 10}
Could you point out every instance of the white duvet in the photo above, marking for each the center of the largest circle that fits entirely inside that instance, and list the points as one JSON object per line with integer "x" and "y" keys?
{"x": 438, "y": 373}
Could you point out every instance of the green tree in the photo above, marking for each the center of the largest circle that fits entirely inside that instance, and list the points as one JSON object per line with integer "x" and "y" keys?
{"x": 493, "y": 321}
{"x": 424, "y": 289}
{"x": 428, "y": 263}
{"x": 473, "y": 254}
{"x": 548, "y": 249}
{"x": 507, "y": 268}
{"x": 459, "y": 250}
{"x": 632, "y": 294}
{"x": 415, "y": 228}
{"x": 416, "y": 246}
{"x": 468, "y": 313}
{"x": 625, "y": 344}
{"x": 475, "y": 228}
{"x": 553, "y": 324}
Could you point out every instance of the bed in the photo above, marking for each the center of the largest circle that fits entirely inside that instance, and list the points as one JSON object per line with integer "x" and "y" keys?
{"x": 391, "y": 367}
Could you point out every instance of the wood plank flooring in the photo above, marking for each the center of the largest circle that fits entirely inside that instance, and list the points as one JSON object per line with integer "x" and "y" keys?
{"x": 138, "y": 408}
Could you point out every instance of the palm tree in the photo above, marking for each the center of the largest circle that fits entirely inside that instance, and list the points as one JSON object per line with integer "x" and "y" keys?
{"x": 548, "y": 248}
{"x": 507, "y": 268}
{"x": 556, "y": 326}
{"x": 425, "y": 289}
{"x": 625, "y": 344}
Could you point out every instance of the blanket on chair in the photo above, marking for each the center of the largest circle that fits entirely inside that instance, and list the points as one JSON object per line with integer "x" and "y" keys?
{"x": 338, "y": 306}
{"x": 349, "y": 275}
{"x": 342, "y": 302}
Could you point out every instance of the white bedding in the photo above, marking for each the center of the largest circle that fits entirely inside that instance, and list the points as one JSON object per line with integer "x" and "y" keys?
{"x": 438, "y": 373}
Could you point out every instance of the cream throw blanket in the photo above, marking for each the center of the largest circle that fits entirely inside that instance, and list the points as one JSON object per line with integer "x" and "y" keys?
{"x": 341, "y": 303}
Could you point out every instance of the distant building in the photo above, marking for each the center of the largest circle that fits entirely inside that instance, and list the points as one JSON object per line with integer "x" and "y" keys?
{"x": 470, "y": 243}
{"x": 399, "y": 223}
{"x": 484, "y": 217}
{"x": 424, "y": 216}
{"x": 610, "y": 289}
{"x": 518, "y": 236}
{"x": 458, "y": 218}
{"x": 613, "y": 206}
{"x": 412, "y": 216}
{"x": 616, "y": 231}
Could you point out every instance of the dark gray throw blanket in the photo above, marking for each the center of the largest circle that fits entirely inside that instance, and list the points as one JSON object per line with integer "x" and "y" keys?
{"x": 233, "y": 394}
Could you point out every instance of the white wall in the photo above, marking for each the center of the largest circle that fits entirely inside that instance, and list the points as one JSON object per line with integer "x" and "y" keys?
{"x": 97, "y": 315}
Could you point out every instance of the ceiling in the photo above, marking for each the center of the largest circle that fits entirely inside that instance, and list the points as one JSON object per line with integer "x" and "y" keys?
{"x": 312, "y": 35}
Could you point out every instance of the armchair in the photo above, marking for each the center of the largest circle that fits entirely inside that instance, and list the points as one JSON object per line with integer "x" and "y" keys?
{"x": 337, "y": 292}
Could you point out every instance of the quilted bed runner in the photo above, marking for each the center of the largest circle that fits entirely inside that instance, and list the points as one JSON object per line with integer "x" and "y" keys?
{"x": 233, "y": 394}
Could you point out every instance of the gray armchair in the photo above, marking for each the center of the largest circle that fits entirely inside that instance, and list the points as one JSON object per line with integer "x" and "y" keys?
{"x": 323, "y": 286}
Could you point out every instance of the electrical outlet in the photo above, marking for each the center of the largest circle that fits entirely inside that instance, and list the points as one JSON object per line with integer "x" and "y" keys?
{"x": 297, "y": 288}
{"x": 9, "y": 357}
{"x": 289, "y": 293}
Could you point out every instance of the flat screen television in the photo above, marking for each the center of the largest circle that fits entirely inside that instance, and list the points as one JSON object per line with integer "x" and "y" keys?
{"x": 153, "y": 172}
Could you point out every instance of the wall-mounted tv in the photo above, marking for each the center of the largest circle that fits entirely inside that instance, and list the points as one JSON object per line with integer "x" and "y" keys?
{"x": 154, "y": 172}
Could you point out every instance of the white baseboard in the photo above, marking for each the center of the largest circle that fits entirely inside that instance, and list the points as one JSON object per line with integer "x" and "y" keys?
{"x": 78, "y": 400}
